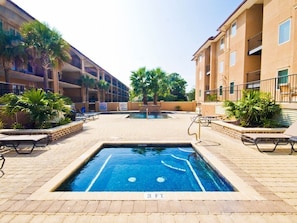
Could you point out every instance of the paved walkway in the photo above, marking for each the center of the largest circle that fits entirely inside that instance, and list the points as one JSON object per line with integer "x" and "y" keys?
{"x": 271, "y": 175}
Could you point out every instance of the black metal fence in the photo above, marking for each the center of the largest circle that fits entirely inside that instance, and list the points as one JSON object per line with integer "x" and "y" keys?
{"x": 282, "y": 89}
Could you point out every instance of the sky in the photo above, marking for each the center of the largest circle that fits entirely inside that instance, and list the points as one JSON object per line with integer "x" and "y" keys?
{"x": 122, "y": 36}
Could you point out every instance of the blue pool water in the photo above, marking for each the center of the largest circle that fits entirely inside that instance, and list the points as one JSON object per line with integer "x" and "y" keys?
{"x": 137, "y": 168}
{"x": 152, "y": 115}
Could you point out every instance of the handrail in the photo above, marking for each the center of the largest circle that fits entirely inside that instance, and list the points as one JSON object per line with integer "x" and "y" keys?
{"x": 197, "y": 135}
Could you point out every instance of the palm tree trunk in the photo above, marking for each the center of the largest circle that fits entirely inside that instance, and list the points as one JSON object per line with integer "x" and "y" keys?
{"x": 144, "y": 99}
{"x": 87, "y": 94}
{"x": 103, "y": 95}
{"x": 6, "y": 74}
{"x": 45, "y": 79}
{"x": 7, "y": 80}
{"x": 155, "y": 99}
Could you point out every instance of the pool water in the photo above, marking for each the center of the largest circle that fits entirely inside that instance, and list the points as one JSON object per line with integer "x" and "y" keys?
{"x": 151, "y": 115}
{"x": 140, "y": 168}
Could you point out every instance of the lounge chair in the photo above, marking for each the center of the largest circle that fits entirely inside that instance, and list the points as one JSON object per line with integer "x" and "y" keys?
{"x": 289, "y": 136}
{"x": 16, "y": 140}
{"x": 292, "y": 141}
{"x": 3, "y": 161}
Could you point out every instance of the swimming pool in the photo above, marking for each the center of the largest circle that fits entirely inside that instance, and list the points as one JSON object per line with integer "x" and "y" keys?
{"x": 151, "y": 115}
{"x": 145, "y": 168}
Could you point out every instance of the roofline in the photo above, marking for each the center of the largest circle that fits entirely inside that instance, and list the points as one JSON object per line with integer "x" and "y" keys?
{"x": 18, "y": 7}
{"x": 22, "y": 10}
{"x": 220, "y": 29}
{"x": 209, "y": 40}
{"x": 241, "y": 4}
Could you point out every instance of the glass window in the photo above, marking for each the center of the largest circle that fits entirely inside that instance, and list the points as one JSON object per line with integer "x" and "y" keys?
{"x": 1, "y": 24}
{"x": 233, "y": 29}
{"x": 200, "y": 75}
{"x": 232, "y": 88}
{"x": 221, "y": 67}
{"x": 232, "y": 58}
{"x": 222, "y": 44}
{"x": 221, "y": 90}
{"x": 284, "y": 31}
{"x": 199, "y": 93}
{"x": 282, "y": 77}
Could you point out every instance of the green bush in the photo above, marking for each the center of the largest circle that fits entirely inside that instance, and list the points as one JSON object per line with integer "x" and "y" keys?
{"x": 41, "y": 106}
{"x": 178, "y": 108}
{"x": 17, "y": 125}
{"x": 255, "y": 109}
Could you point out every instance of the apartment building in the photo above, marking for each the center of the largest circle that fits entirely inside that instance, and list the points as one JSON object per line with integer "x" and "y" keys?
{"x": 65, "y": 80}
{"x": 255, "y": 48}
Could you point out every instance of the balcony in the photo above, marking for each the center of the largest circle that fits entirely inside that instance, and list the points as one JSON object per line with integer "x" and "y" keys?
{"x": 281, "y": 89}
{"x": 255, "y": 44}
{"x": 207, "y": 69}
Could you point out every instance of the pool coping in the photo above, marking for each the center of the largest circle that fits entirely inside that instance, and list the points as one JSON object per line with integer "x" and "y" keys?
{"x": 244, "y": 191}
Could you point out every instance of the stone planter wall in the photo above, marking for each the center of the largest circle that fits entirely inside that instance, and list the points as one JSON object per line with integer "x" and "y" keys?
{"x": 236, "y": 131}
{"x": 53, "y": 133}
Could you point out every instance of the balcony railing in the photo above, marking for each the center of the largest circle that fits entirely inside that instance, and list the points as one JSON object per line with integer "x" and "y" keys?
{"x": 207, "y": 69}
{"x": 255, "y": 44}
{"x": 282, "y": 90}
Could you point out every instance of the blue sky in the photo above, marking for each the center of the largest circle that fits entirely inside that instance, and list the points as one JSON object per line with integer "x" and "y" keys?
{"x": 124, "y": 35}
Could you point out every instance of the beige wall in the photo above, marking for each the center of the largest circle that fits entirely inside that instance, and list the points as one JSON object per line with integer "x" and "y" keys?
{"x": 254, "y": 17}
{"x": 189, "y": 106}
{"x": 236, "y": 44}
{"x": 251, "y": 19}
{"x": 200, "y": 65}
{"x": 276, "y": 57}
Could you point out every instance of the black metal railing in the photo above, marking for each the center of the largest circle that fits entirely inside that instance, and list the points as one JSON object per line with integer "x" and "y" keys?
{"x": 282, "y": 89}
{"x": 254, "y": 44}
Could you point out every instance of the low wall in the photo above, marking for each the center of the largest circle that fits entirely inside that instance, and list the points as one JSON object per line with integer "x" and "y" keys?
{"x": 189, "y": 106}
{"x": 235, "y": 131}
{"x": 53, "y": 133}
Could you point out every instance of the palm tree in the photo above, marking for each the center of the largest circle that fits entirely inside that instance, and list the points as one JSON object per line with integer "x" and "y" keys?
{"x": 140, "y": 83}
{"x": 103, "y": 86}
{"x": 87, "y": 82}
{"x": 157, "y": 83}
{"x": 11, "y": 49}
{"x": 46, "y": 45}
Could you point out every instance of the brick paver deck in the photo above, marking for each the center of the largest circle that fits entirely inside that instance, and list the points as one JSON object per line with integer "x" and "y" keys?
{"x": 272, "y": 175}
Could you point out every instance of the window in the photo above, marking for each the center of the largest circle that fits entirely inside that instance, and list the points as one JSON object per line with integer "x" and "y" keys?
{"x": 200, "y": 75}
{"x": 221, "y": 67}
{"x": 200, "y": 58}
{"x": 221, "y": 90}
{"x": 199, "y": 93}
{"x": 222, "y": 44}
{"x": 1, "y": 24}
{"x": 232, "y": 88}
{"x": 284, "y": 31}
{"x": 233, "y": 29}
{"x": 282, "y": 77}
{"x": 232, "y": 58}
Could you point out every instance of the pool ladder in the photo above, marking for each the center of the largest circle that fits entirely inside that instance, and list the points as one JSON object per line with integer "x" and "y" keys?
{"x": 195, "y": 119}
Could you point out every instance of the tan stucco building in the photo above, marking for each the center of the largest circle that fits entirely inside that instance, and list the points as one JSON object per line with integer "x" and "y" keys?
{"x": 65, "y": 80}
{"x": 255, "y": 48}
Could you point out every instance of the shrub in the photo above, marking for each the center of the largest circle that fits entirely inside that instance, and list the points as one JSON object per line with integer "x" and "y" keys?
{"x": 255, "y": 109}
{"x": 41, "y": 106}
{"x": 178, "y": 108}
{"x": 17, "y": 125}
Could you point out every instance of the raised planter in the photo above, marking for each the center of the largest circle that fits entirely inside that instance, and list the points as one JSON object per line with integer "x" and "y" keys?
{"x": 236, "y": 131}
{"x": 53, "y": 133}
